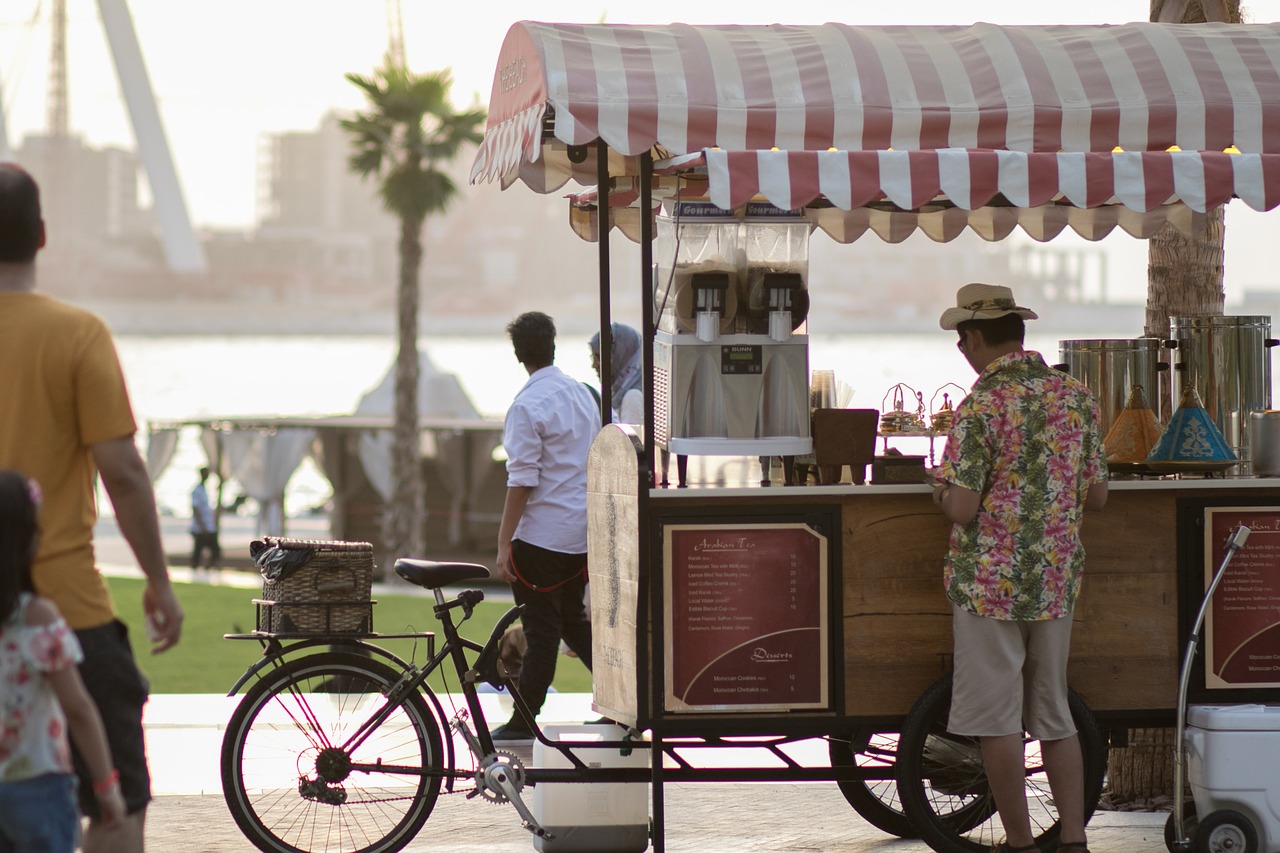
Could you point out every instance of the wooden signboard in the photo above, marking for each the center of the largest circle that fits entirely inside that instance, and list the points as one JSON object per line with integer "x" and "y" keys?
{"x": 746, "y": 617}
{"x": 1242, "y": 625}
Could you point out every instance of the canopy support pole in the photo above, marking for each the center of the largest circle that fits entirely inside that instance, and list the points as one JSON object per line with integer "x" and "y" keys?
{"x": 646, "y": 306}
{"x": 603, "y": 230}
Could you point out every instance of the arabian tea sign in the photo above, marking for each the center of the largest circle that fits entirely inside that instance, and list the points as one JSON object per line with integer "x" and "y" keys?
{"x": 746, "y": 620}
{"x": 1242, "y": 625}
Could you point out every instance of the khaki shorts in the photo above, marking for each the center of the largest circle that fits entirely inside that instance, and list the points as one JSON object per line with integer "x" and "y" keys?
{"x": 1010, "y": 677}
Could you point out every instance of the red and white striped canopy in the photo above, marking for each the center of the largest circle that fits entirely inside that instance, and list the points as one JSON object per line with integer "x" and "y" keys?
{"x": 901, "y": 116}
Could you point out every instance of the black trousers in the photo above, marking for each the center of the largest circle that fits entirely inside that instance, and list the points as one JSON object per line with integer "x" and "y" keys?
{"x": 551, "y": 586}
{"x": 205, "y": 542}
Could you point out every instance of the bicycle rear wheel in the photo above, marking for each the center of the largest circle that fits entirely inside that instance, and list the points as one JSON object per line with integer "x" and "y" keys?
{"x": 291, "y": 785}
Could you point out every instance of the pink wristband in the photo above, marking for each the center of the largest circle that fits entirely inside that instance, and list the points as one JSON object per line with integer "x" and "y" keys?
{"x": 101, "y": 786}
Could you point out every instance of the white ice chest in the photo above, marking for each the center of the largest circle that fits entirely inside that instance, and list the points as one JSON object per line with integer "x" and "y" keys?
{"x": 610, "y": 817}
{"x": 1232, "y": 755}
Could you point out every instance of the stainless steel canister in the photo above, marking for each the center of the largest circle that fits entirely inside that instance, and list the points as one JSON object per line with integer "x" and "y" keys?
{"x": 1264, "y": 443}
{"x": 1227, "y": 360}
{"x": 1112, "y": 367}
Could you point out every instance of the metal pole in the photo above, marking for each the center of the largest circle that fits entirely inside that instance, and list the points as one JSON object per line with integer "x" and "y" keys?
{"x": 603, "y": 230}
{"x": 646, "y": 305}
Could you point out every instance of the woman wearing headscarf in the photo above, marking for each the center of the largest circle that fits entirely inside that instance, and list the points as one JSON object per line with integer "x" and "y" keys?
{"x": 625, "y": 364}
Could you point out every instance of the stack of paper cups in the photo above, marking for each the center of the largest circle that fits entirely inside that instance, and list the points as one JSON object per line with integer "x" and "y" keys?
{"x": 822, "y": 391}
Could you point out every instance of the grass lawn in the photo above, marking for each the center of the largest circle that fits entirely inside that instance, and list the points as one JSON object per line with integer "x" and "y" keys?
{"x": 206, "y": 663}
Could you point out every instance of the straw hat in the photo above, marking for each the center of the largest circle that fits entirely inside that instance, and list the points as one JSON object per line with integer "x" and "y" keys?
{"x": 983, "y": 302}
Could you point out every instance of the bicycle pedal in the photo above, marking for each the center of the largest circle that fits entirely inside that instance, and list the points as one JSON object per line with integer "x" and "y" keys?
{"x": 540, "y": 832}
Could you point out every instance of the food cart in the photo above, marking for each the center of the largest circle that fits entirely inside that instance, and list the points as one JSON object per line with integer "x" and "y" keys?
{"x": 817, "y": 609}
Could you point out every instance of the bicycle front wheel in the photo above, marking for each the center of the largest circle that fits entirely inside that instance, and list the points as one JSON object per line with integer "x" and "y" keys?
{"x": 292, "y": 784}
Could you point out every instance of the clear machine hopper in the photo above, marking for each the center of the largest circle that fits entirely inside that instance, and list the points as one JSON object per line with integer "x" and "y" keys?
{"x": 731, "y": 358}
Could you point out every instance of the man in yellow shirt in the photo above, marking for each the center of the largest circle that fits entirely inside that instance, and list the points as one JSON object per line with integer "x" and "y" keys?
{"x": 65, "y": 419}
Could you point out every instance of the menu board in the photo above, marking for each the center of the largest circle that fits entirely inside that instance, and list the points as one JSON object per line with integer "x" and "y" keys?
{"x": 746, "y": 617}
{"x": 1242, "y": 625}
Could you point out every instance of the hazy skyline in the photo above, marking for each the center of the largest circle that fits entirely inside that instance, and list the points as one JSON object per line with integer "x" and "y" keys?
{"x": 224, "y": 74}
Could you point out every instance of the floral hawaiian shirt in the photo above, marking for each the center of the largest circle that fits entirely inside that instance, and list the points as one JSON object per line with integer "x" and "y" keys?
{"x": 33, "y": 729}
{"x": 1026, "y": 439}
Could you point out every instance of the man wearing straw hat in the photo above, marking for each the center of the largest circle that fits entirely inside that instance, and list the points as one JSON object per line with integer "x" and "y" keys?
{"x": 1023, "y": 461}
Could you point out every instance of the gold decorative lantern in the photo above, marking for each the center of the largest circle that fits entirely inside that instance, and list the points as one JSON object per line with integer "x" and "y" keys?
{"x": 941, "y": 418}
{"x": 898, "y": 419}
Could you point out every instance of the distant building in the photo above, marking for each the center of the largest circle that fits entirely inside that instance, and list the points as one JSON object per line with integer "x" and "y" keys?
{"x": 90, "y": 195}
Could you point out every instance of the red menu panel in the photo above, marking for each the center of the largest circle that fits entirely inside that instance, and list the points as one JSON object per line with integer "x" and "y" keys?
{"x": 746, "y": 617}
{"x": 1242, "y": 625}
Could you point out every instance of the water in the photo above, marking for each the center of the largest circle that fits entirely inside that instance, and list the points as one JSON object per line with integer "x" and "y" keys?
{"x": 188, "y": 377}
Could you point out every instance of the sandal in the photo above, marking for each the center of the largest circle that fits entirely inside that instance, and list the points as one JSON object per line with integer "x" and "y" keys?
{"x": 1003, "y": 847}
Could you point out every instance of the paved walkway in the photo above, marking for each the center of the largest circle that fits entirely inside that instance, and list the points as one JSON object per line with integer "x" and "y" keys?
{"x": 701, "y": 818}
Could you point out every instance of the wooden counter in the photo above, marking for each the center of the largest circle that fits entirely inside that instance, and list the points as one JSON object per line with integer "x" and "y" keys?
{"x": 895, "y": 620}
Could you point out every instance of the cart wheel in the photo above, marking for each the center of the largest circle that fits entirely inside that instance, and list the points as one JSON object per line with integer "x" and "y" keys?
{"x": 876, "y": 800}
{"x": 943, "y": 785}
{"x": 1225, "y": 831}
{"x": 1189, "y": 823}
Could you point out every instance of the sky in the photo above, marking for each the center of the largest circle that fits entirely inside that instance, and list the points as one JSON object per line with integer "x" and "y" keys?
{"x": 225, "y": 73}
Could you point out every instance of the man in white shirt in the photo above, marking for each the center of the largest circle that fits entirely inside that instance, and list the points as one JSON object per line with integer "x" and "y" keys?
{"x": 206, "y": 553}
{"x": 542, "y": 541}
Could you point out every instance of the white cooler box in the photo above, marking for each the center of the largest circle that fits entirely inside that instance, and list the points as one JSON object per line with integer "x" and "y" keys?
{"x": 608, "y": 817}
{"x": 1232, "y": 755}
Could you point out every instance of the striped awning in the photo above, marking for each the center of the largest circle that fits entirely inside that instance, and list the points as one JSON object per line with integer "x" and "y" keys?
{"x": 901, "y": 117}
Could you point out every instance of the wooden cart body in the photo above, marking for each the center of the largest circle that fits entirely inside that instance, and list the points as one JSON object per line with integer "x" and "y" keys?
{"x": 893, "y": 632}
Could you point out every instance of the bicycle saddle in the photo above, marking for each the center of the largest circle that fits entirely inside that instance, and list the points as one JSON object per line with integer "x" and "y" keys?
{"x": 432, "y": 575}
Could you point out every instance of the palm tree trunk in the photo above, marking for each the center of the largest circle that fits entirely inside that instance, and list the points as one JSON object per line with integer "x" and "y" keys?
{"x": 1184, "y": 274}
{"x": 403, "y": 522}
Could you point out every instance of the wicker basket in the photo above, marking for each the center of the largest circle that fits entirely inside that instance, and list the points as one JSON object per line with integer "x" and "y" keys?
{"x": 326, "y": 592}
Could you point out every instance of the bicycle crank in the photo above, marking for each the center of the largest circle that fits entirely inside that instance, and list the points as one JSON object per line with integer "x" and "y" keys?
{"x": 500, "y": 779}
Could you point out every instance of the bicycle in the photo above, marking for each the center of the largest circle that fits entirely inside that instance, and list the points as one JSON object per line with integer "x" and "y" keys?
{"x": 341, "y": 749}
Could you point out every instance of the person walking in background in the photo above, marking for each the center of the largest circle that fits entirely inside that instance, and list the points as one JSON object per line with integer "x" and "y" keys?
{"x": 42, "y": 698}
{"x": 204, "y": 528}
{"x": 1023, "y": 461}
{"x": 542, "y": 539}
{"x": 627, "y": 368}
{"x": 65, "y": 421}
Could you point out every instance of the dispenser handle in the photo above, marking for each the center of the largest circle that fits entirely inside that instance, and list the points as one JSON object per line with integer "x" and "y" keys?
{"x": 1170, "y": 343}
{"x": 1270, "y": 342}
{"x": 1162, "y": 366}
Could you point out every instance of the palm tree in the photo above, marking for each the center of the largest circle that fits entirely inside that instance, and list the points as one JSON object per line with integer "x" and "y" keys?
{"x": 409, "y": 132}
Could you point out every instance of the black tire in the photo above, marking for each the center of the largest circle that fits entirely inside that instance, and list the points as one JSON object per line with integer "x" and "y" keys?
{"x": 1225, "y": 831}
{"x": 876, "y": 800}
{"x": 1189, "y": 824}
{"x": 943, "y": 785}
{"x": 291, "y": 723}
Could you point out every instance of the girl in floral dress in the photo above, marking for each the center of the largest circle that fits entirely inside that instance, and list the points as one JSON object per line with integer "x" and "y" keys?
{"x": 41, "y": 699}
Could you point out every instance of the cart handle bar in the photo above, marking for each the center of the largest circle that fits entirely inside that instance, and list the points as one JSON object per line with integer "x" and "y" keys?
{"x": 1181, "y": 843}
